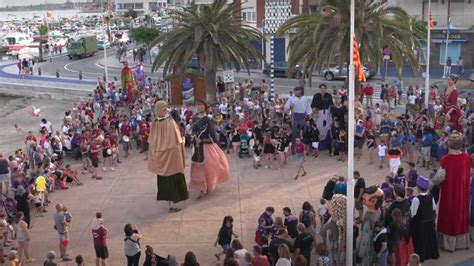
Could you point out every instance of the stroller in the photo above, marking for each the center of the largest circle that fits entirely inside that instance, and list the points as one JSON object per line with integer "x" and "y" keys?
{"x": 9, "y": 205}
{"x": 222, "y": 140}
{"x": 244, "y": 145}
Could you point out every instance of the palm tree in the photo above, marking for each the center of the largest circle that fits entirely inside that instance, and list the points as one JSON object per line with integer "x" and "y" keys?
{"x": 211, "y": 34}
{"x": 324, "y": 38}
{"x": 43, "y": 30}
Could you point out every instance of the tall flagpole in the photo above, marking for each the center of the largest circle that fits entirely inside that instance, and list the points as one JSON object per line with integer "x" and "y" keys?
{"x": 428, "y": 53}
{"x": 105, "y": 39}
{"x": 350, "y": 153}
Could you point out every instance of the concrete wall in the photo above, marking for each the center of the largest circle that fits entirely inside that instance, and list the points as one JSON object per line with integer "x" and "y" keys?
{"x": 43, "y": 92}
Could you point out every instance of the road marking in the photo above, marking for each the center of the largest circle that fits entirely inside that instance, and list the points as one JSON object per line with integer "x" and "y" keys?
{"x": 66, "y": 66}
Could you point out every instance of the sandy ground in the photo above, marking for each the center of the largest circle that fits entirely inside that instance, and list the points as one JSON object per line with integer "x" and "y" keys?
{"x": 14, "y": 110}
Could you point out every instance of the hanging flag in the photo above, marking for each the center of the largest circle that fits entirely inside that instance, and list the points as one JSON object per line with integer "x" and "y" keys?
{"x": 357, "y": 63}
{"x": 431, "y": 21}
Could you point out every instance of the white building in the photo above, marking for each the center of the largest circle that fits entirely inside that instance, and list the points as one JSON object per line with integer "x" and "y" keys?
{"x": 141, "y": 6}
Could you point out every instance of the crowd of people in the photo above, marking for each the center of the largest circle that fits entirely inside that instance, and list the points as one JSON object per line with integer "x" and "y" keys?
{"x": 395, "y": 222}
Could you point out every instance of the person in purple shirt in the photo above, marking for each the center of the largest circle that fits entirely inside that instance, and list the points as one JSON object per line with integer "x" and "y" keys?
{"x": 267, "y": 216}
{"x": 412, "y": 175}
{"x": 400, "y": 177}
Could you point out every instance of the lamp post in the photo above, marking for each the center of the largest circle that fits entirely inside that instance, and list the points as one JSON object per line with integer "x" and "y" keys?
{"x": 350, "y": 151}
{"x": 428, "y": 53}
{"x": 105, "y": 46}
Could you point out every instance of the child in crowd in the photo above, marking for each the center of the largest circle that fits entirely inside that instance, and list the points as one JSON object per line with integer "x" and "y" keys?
{"x": 341, "y": 145}
{"x": 394, "y": 154}
{"x": 300, "y": 150}
{"x": 323, "y": 211}
{"x": 380, "y": 244}
{"x": 257, "y": 152}
{"x": 381, "y": 151}
{"x": 371, "y": 144}
{"x": 38, "y": 202}
{"x": 323, "y": 255}
{"x": 414, "y": 260}
{"x": 260, "y": 232}
{"x": 268, "y": 150}
{"x": 224, "y": 237}
{"x": 67, "y": 214}
{"x": 400, "y": 178}
{"x": 412, "y": 175}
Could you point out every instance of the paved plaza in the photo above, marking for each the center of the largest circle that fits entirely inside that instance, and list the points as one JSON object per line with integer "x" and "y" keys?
{"x": 127, "y": 195}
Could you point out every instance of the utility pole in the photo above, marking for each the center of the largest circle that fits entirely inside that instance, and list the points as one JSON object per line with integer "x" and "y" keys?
{"x": 350, "y": 153}
{"x": 428, "y": 54}
{"x": 105, "y": 46}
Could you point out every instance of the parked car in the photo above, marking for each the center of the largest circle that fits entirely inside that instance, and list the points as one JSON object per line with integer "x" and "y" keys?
{"x": 281, "y": 70}
{"x": 333, "y": 73}
{"x": 103, "y": 44}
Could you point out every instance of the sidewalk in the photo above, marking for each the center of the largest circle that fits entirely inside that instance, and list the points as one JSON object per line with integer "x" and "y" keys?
{"x": 9, "y": 71}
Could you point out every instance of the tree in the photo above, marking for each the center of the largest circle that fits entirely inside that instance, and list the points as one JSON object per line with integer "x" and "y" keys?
{"x": 43, "y": 30}
{"x": 210, "y": 34}
{"x": 324, "y": 38}
{"x": 144, "y": 35}
{"x": 131, "y": 13}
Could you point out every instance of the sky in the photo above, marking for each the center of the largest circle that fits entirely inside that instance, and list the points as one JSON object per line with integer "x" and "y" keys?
{"x": 4, "y": 3}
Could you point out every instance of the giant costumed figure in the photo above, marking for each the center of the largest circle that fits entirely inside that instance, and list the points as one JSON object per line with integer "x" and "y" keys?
{"x": 127, "y": 81}
{"x": 322, "y": 102}
{"x": 140, "y": 77}
{"x": 209, "y": 166}
{"x": 166, "y": 157}
{"x": 454, "y": 178}
{"x": 450, "y": 108}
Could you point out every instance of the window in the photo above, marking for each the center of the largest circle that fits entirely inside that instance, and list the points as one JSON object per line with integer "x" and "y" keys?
{"x": 249, "y": 16}
{"x": 454, "y": 51}
{"x": 128, "y": 6}
{"x": 138, "y": 5}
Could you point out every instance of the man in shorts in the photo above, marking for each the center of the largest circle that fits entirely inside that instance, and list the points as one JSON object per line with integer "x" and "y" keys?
{"x": 99, "y": 233}
{"x": 95, "y": 148}
{"x": 62, "y": 227}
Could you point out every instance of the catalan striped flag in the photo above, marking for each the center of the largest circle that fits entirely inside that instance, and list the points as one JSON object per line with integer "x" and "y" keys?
{"x": 357, "y": 63}
{"x": 431, "y": 21}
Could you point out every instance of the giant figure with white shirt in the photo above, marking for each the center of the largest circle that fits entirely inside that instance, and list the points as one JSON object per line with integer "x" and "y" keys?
{"x": 300, "y": 108}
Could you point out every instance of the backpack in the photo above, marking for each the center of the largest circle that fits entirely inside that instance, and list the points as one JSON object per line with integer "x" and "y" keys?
{"x": 405, "y": 226}
{"x": 306, "y": 219}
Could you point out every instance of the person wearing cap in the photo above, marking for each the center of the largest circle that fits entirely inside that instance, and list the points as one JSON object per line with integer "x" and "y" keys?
{"x": 12, "y": 258}
{"x": 454, "y": 178}
{"x": 450, "y": 108}
{"x": 423, "y": 212}
{"x": 166, "y": 157}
